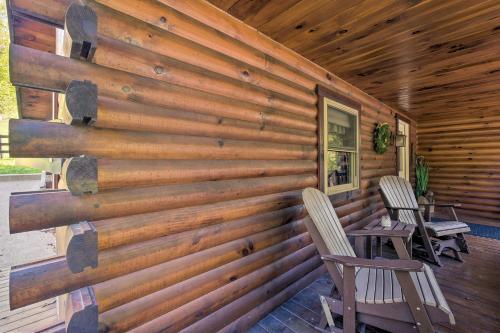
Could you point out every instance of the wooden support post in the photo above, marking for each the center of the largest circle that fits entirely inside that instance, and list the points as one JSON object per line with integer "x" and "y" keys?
{"x": 80, "y": 175}
{"x": 81, "y": 250}
{"x": 80, "y": 103}
{"x": 80, "y": 32}
{"x": 82, "y": 312}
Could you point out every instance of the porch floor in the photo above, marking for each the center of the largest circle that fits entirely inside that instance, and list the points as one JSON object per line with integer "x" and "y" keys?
{"x": 472, "y": 289}
{"x": 27, "y": 319}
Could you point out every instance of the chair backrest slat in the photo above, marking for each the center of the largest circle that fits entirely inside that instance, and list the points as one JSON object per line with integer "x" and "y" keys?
{"x": 327, "y": 222}
{"x": 399, "y": 193}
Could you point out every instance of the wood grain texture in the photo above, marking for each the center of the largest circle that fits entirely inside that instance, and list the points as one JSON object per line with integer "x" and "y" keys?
{"x": 424, "y": 57}
{"x": 463, "y": 155}
{"x": 175, "y": 214}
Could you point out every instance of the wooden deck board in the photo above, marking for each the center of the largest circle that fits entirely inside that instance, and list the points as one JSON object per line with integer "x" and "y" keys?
{"x": 28, "y": 318}
{"x": 472, "y": 289}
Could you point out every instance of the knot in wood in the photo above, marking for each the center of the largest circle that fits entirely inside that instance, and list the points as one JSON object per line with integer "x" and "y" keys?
{"x": 159, "y": 70}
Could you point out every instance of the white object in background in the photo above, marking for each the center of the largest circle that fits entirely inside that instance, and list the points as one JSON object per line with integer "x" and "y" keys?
{"x": 386, "y": 221}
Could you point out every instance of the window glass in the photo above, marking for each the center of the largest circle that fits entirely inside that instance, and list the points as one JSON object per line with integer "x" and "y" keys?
{"x": 341, "y": 147}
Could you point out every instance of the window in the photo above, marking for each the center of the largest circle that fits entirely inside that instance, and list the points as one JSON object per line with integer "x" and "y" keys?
{"x": 339, "y": 144}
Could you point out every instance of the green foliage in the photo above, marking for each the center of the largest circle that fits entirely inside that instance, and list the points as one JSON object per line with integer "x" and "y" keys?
{"x": 16, "y": 169}
{"x": 381, "y": 138}
{"x": 422, "y": 174}
{"x": 8, "y": 103}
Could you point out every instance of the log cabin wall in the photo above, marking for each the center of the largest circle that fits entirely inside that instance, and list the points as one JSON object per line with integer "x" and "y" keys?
{"x": 463, "y": 155}
{"x": 189, "y": 136}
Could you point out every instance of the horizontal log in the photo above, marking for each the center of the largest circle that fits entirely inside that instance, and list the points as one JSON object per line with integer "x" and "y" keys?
{"x": 137, "y": 228}
{"x": 165, "y": 44}
{"x": 147, "y": 308}
{"x": 35, "y": 69}
{"x": 209, "y": 38}
{"x": 81, "y": 311}
{"x": 251, "y": 308}
{"x": 88, "y": 175}
{"x": 49, "y": 278}
{"x": 226, "y": 24}
{"x": 118, "y": 114}
{"x": 80, "y": 32}
{"x": 81, "y": 248}
{"x": 125, "y": 57}
{"x": 129, "y": 58}
{"x": 253, "y": 284}
{"x": 31, "y": 138}
{"x": 35, "y": 211}
{"x": 115, "y": 292}
{"x": 80, "y": 103}
{"x": 79, "y": 175}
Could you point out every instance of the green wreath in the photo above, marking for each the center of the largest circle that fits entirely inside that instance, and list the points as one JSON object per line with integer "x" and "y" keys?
{"x": 381, "y": 138}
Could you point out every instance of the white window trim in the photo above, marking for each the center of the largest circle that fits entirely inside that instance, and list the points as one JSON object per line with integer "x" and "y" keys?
{"x": 355, "y": 184}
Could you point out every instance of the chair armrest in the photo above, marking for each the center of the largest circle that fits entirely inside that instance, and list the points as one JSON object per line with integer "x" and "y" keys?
{"x": 401, "y": 208}
{"x": 380, "y": 232}
{"x": 393, "y": 264}
{"x": 456, "y": 205}
{"x": 441, "y": 204}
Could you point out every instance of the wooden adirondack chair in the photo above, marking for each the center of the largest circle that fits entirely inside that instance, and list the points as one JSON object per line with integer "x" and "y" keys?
{"x": 399, "y": 295}
{"x": 400, "y": 200}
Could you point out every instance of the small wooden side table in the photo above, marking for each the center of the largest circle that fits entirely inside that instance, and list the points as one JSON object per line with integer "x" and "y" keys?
{"x": 403, "y": 246}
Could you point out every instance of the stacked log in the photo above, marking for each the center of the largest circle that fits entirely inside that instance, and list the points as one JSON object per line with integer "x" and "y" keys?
{"x": 463, "y": 155}
{"x": 186, "y": 149}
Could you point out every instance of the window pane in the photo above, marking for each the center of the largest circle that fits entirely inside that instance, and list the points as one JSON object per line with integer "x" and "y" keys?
{"x": 339, "y": 167}
{"x": 342, "y": 128}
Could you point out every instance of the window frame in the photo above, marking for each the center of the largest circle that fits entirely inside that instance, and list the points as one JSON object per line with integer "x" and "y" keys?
{"x": 327, "y": 97}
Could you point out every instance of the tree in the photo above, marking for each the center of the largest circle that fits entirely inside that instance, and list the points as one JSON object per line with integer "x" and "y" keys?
{"x": 8, "y": 103}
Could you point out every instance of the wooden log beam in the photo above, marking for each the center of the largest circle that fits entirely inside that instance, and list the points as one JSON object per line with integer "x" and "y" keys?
{"x": 80, "y": 103}
{"x": 80, "y": 32}
{"x": 250, "y": 308}
{"x": 118, "y": 114}
{"x": 32, "y": 138}
{"x": 223, "y": 23}
{"x": 129, "y": 58}
{"x": 89, "y": 175}
{"x": 80, "y": 175}
{"x": 81, "y": 312}
{"x": 254, "y": 285}
{"x": 35, "y": 211}
{"x": 35, "y": 69}
{"x": 168, "y": 45}
{"x": 81, "y": 248}
{"x": 148, "y": 308}
{"x": 138, "y": 228}
{"x": 124, "y": 289}
{"x": 49, "y": 278}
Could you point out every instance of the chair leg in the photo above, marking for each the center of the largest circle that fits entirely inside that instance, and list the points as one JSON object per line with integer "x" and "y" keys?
{"x": 426, "y": 239}
{"x": 349, "y": 300}
{"x": 417, "y": 309}
{"x": 462, "y": 243}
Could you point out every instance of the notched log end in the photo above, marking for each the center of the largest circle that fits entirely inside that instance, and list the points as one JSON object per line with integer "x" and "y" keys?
{"x": 80, "y": 32}
{"x": 80, "y": 175}
{"x": 80, "y": 103}
{"x": 82, "y": 249}
{"x": 81, "y": 311}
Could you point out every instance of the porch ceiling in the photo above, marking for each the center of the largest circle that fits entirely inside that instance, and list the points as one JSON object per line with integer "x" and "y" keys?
{"x": 424, "y": 57}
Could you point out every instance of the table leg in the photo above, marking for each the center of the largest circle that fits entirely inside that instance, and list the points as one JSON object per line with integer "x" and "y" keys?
{"x": 379, "y": 246}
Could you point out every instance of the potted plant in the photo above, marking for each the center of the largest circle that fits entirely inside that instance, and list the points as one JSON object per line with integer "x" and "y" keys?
{"x": 424, "y": 196}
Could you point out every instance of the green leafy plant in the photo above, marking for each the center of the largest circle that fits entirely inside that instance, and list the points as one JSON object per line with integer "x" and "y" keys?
{"x": 381, "y": 138}
{"x": 422, "y": 175}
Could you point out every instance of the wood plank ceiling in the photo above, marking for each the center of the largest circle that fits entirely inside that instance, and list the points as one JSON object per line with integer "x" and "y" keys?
{"x": 425, "y": 57}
